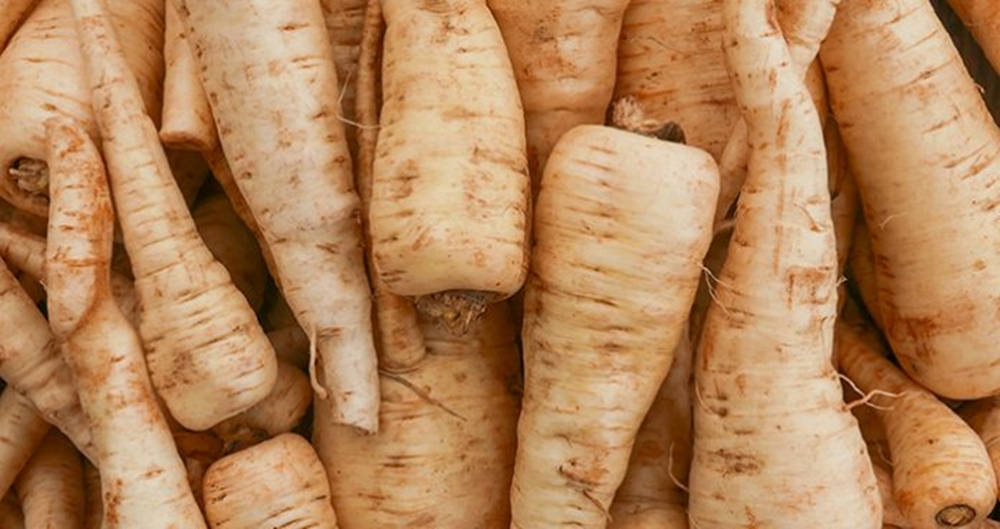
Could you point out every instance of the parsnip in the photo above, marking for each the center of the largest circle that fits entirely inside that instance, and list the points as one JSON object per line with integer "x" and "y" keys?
{"x": 21, "y": 431}
{"x": 50, "y": 487}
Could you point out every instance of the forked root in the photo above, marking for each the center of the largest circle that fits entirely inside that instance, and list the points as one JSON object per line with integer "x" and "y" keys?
{"x": 456, "y": 310}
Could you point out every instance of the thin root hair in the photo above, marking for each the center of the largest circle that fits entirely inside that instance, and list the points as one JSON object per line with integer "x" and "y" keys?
{"x": 421, "y": 393}
{"x": 670, "y": 470}
{"x": 313, "y": 379}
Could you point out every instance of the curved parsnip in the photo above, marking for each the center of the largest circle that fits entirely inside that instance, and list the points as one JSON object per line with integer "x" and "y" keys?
{"x": 187, "y": 118}
{"x": 942, "y": 475}
{"x": 42, "y": 76}
{"x": 444, "y": 452}
{"x": 207, "y": 355}
{"x": 564, "y": 60}
{"x": 305, "y": 205}
{"x": 649, "y": 497}
{"x": 767, "y": 399}
{"x": 21, "y": 431}
{"x": 278, "y": 483}
{"x": 397, "y": 332}
{"x": 278, "y": 413}
{"x": 622, "y": 225}
{"x": 670, "y": 61}
{"x": 142, "y": 477}
{"x": 31, "y": 363}
{"x": 937, "y": 289}
{"x": 51, "y": 486}
{"x": 449, "y": 210}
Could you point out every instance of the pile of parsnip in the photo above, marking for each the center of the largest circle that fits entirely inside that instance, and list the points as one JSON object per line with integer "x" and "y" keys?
{"x": 499, "y": 264}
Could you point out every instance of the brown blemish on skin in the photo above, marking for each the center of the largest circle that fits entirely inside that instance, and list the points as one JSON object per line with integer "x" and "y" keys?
{"x": 736, "y": 463}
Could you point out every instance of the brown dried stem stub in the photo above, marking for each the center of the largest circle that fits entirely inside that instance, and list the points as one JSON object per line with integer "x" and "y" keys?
{"x": 31, "y": 175}
{"x": 627, "y": 114}
{"x": 456, "y": 310}
{"x": 955, "y": 515}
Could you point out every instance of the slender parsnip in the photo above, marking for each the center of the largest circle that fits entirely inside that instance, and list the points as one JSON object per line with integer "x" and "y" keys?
{"x": 449, "y": 211}
{"x": 186, "y": 119}
{"x": 564, "y": 58}
{"x": 283, "y": 139}
{"x": 622, "y": 225}
{"x": 344, "y": 21}
{"x": 143, "y": 481}
{"x": 774, "y": 444}
{"x": 50, "y": 487}
{"x": 207, "y": 355}
{"x": 21, "y": 431}
{"x": 926, "y": 157}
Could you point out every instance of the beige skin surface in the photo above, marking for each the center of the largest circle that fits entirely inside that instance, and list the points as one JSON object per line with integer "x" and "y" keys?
{"x": 942, "y": 476}
{"x": 649, "y": 496}
{"x": 14, "y": 12}
{"x": 449, "y": 210}
{"x": 862, "y": 266}
{"x": 41, "y": 76}
{"x": 984, "y": 417}
{"x": 278, "y": 483}
{"x": 774, "y": 444}
{"x": 142, "y": 477}
{"x": 292, "y": 165}
{"x": 21, "y": 431}
{"x": 207, "y": 355}
{"x": 598, "y": 334}
{"x": 50, "y": 487}
{"x": 670, "y": 60}
{"x": 344, "y": 20}
{"x": 444, "y": 453}
{"x": 564, "y": 58}
{"x": 278, "y": 413}
{"x": 186, "y": 118}
{"x": 912, "y": 119}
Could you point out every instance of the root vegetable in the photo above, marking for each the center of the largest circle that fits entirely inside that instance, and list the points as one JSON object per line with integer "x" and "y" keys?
{"x": 344, "y": 21}
{"x": 41, "y": 76}
{"x": 278, "y": 413}
{"x": 444, "y": 452}
{"x": 449, "y": 210}
{"x": 21, "y": 431}
{"x": 890, "y": 511}
{"x": 670, "y": 60}
{"x": 12, "y": 13}
{"x": 233, "y": 245}
{"x": 187, "y": 118}
{"x": 207, "y": 355}
{"x": 278, "y": 483}
{"x": 862, "y": 269}
{"x": 650, "y": 497}
{"x": 398, "y": 338}
{"x": 564, "y": 58}
{"x": 143, "y": 481}
{"x": 50, "y": 487}
{"x": 983, "y": 19}
{"x": 305, "y": 205}
{"x": 598, "y": 336}
{"x": 936, "y": 290}
{"x": 942, "y": 475}
{"x": 983, "y": 416}
{"x": 767, "y": 396}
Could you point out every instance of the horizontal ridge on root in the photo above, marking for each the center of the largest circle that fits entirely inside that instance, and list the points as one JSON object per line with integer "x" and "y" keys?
{"x": 456, "y": 310}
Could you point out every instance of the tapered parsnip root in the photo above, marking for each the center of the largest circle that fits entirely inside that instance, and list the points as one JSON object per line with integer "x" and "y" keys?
{"x": 278, "y": 413}
{"x": 449, "y": 208}
{"x": 444, "y": 452}
{"x": 670, "y": 60}
{"x": 50, "y": 487}
{"x": 344, "y": 22}
{"x": 305, "y": 207}
{"x": 41, "y": 76}
{"x": 984, "y": 417}
{"x": 805, "y": 24}
{"x": 31, "y": 363}
{"x": 563, "y": 55}
{"x": 207, "y": 355}
{"x": 21, "y": 431}
{"x": 12, "y": 13}
{"x": 774, "y": 444}
{"x": 233, "y": 244}
{"x": 278, "y": 483}
{"x": 142, "y": 477}
{"x": 983, "y": 19}
{"x": 942, "y": 475}
{"x": 936, "y": 287}
{"x": 398, "y": 338}
{"x": 598, "y": 335}
{"x": 187, "y": 118}
{"x": 861, "y": 264}
{"x": 651, "y": 496}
